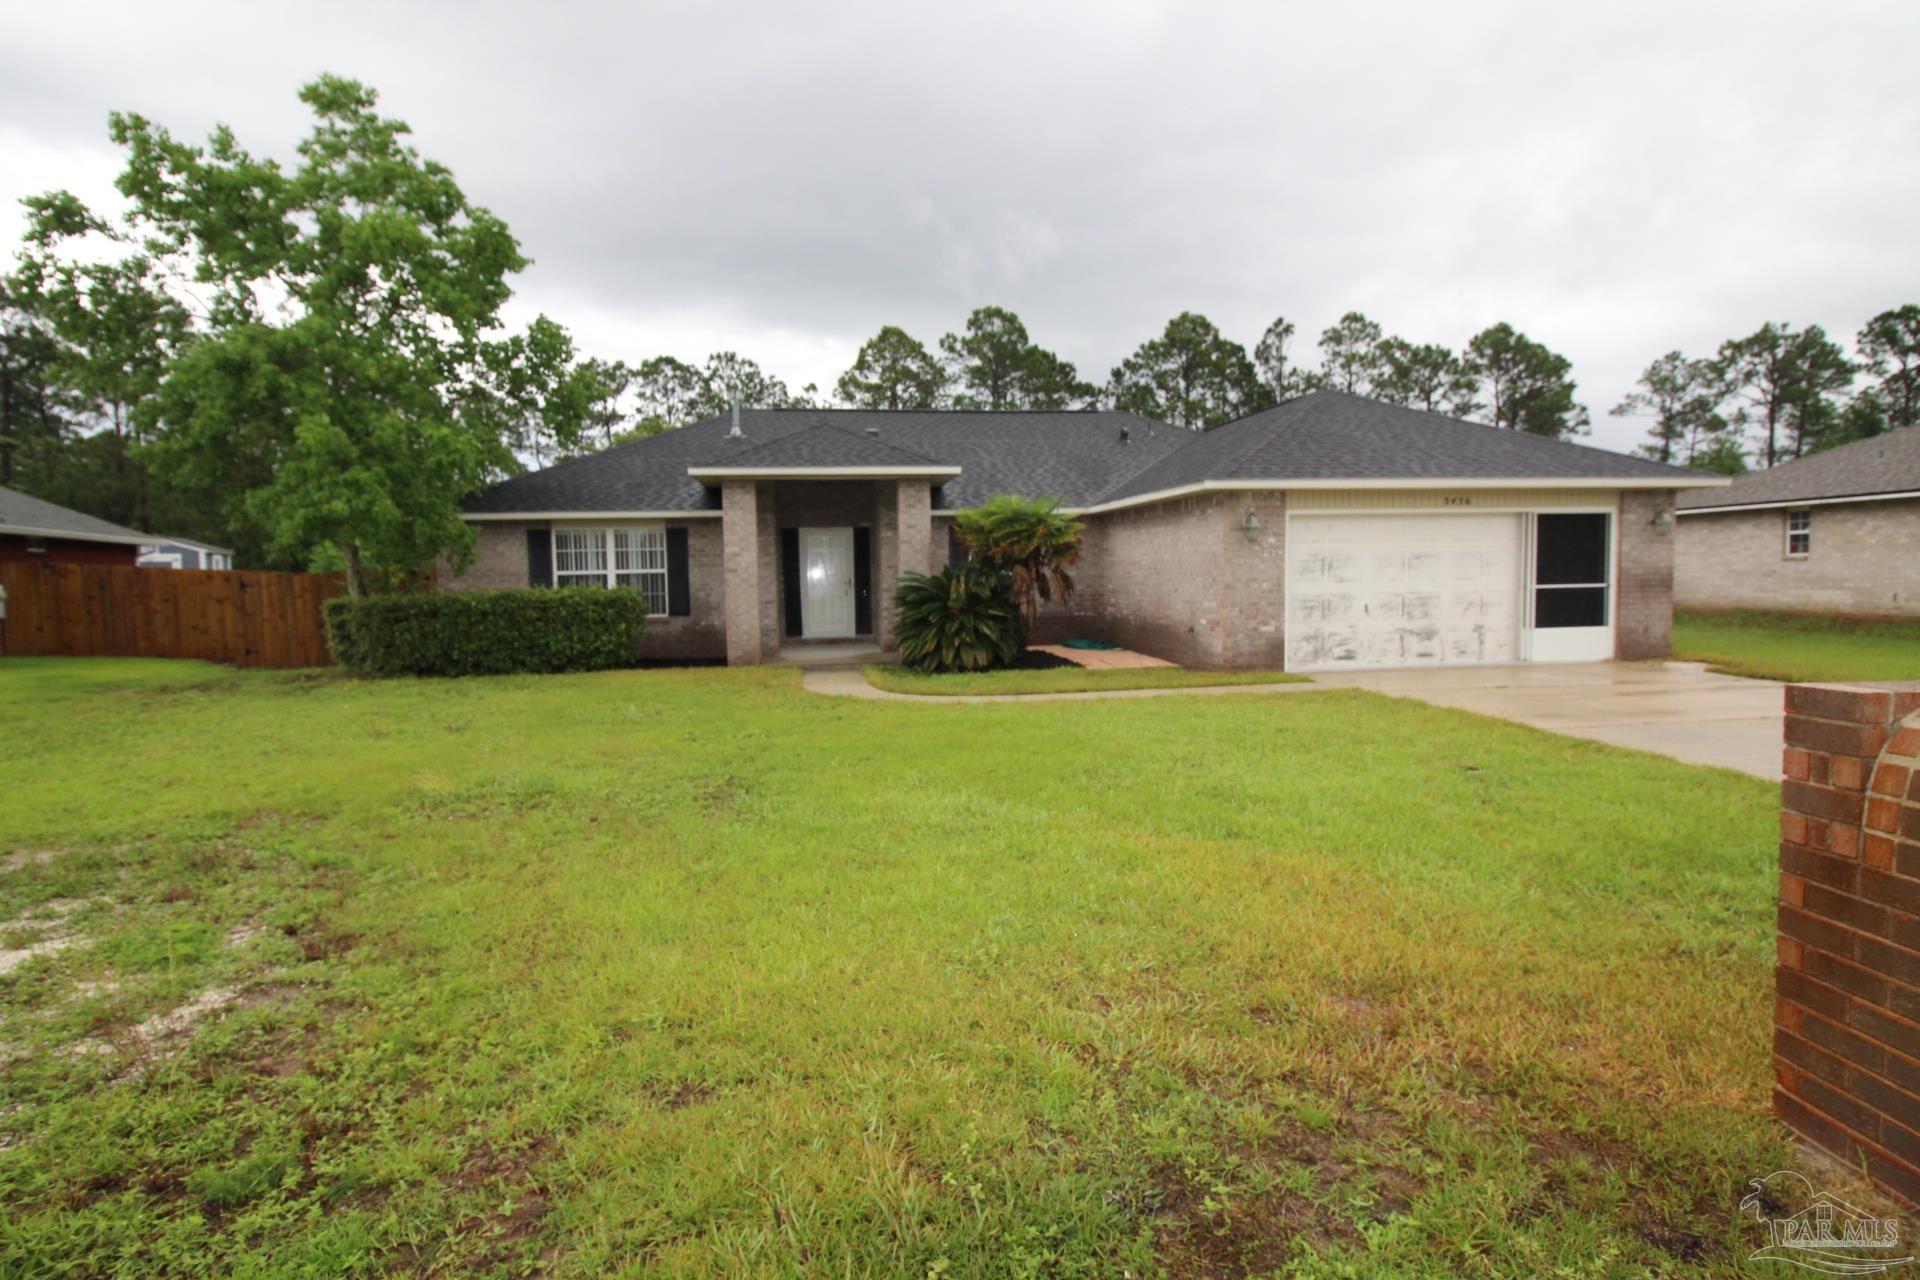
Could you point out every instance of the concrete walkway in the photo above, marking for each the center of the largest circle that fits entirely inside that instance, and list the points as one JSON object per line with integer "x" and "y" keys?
{"x": 844, "y": 683}
{"x": 1677, "y": 709}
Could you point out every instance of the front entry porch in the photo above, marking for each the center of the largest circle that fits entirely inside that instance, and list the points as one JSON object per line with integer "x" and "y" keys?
{"x": 809, "y": 562}
{"x": 841, "y": 653}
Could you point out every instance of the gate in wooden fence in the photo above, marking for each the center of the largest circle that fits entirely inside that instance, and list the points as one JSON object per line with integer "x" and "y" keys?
{"x": 221, "y": 615}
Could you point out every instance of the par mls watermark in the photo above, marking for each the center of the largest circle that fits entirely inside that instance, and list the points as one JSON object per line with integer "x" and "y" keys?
{"x": 1819, "y": 1231}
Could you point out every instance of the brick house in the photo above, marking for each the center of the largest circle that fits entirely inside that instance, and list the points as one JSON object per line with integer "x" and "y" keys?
{"x": 36, "y": 532}
{"x": 1838, "y": 532}
{"x": 1327, "y": 532}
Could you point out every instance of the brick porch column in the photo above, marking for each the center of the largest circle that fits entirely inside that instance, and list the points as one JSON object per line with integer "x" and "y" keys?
{"x": 916, "y": 526}
{"x": 911, "y": 518}
{"x": 740, "y": 568}
{"x": 1846, "y": 1040}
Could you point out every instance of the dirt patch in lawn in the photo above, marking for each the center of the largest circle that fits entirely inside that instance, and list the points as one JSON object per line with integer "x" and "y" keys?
{"x": 679, "y": 1095}
{"x": 505, "y": 1236}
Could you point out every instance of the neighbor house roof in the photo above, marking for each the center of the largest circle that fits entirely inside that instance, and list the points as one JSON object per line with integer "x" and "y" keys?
{"x": 1087, "y": 459}
{"x": 1880, "y": 467}
{"x": 33, "y": 518}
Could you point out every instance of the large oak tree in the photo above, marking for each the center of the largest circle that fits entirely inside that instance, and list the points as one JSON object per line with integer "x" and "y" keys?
{"x": 346, "y": 380}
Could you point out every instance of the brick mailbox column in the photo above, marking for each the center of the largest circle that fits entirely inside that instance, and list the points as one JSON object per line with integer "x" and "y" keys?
{"x": 1846, "y": 1041}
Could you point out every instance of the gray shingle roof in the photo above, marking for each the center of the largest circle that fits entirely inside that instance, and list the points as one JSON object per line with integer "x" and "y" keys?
{"x": 1329, "y": 435}
{"x": 1082, "y": 457}
{"x": 1072, "y": 455}
{"x": 821, "y": 445}
{"x": 20, "y": 513}
{"x": 1883, "y": 464}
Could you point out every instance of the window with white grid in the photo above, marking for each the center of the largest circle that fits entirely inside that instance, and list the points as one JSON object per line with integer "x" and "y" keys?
{"x": 632, "y": 558}
{"x": 1799, "y": 532}
{"x": 579, "y": 557}
{"x": 640, "y": 562}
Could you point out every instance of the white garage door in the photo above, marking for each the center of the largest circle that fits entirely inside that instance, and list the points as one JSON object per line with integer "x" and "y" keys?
{"x": 1402, "y": 590}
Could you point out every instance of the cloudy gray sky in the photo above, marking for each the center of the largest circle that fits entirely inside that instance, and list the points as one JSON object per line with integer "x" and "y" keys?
{"x": 1615, "y": 179}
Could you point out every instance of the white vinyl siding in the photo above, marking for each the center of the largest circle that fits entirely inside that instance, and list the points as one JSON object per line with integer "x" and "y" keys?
{"x": 633, "y": 557}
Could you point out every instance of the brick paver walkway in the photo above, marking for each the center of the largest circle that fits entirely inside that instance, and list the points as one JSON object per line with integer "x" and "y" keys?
{"x": 1101, "y": 659}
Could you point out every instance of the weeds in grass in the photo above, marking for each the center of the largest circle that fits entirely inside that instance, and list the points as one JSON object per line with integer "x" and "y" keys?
{"x": 690, "y": 973}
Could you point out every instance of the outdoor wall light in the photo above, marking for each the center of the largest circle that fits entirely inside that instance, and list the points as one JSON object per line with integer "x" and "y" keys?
{"x": 1251, "y": 526}
{"x": 1663, "y": 522}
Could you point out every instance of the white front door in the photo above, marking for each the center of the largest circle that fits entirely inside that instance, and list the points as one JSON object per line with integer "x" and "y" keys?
{"x": 1402, "y": 590}
{"x": 826, "y": 583}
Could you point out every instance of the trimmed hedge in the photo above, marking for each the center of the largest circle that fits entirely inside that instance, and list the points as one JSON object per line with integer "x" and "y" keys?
{"x": 485, "y": 633}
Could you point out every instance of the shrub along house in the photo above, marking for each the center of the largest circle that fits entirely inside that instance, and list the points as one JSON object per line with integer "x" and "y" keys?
{"x": 1328, "y": 532}
{"x": 1838, "y": 532}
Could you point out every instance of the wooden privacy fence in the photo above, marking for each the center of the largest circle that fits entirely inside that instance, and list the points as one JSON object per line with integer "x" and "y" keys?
{"x": 221, "y": 615}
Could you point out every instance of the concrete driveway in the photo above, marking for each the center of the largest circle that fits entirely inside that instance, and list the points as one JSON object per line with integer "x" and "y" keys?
{"x": 1677, "y": 709}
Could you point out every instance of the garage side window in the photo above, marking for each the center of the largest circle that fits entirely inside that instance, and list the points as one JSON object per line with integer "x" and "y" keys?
{"x": 1570, "y": 569}
{"x": 1799, "y": 532}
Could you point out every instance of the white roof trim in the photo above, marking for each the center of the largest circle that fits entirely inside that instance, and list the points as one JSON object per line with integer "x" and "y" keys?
{"x": 72, "y": 535}
{"x": 820, "y": 473}
{"x": 1462, "y": 482}
{"x": 476, "y": 517}
{"x": 1896, "y": 496}
{"x": 157, "y": 539}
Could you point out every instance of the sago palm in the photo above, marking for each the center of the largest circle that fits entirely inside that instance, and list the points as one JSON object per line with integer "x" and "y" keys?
{"x": 960, "y": 619}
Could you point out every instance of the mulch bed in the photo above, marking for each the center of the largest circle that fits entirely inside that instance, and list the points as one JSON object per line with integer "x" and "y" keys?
{"x": 1034, "y": 660}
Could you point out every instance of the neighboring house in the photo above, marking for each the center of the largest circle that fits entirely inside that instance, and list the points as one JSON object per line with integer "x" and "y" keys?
{"x": 184, "y": 553}
{"x": 1838, "y": 532}
{"x": 1327, "y": 532}
{"x": 37, "y": 532}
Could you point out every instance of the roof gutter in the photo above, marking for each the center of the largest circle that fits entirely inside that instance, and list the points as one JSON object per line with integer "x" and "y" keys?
{"x": 820, "y": 473}
{"x": 1461, "y": 482}
{"x": 481, "y": 517}
{"x": 1776, "y": 504}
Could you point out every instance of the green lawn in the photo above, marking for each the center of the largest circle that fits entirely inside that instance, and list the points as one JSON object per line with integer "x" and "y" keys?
{"x": 896, "y": 679}
{"x": 1774, "y": 646}
{"x": 691, "y": 973}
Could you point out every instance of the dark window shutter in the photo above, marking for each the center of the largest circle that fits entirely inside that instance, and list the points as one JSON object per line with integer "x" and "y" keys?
{"x": 539, "y": 558}
{"x": 679, "y": 589}
{"x": 863, "y": 581}
{"x": 790, "y": 578}
{"x": 956, "y": 549}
